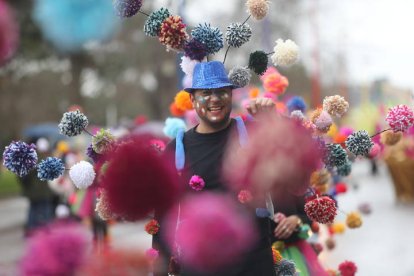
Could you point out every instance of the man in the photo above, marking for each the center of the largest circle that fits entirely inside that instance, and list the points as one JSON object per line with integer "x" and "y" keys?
{"x": 203, "y": 151}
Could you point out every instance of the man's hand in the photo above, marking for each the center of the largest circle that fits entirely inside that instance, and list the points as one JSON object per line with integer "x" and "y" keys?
{"x": 260, "y": 105}
{"x": 286, "y": 227}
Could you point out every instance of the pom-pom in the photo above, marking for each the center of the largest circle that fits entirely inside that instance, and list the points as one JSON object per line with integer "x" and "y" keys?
{"x": 347, "y": 268}
{"x": 237, "y": 34}
{"x": 335, "y": 156}
{"x": 277, "y": 257}
{"x": 127, "y": 8}
{"x": 359, "y": 143}
{"x": 321, "y": 209}
{"x": 320, "y": 177}
{"x": 345, "y": 169}
{"x": 240, "y": 76}
{"x": 274, "y": 82}
{"x": 315, "y": 227}
{"x": 400, "y": 118}
{"x": 70, "y": 24}
{"x": 94, "y": 156}
{"x": 152, "y": 227}
{"x": 285, "y": 268}
{"x": 322, "y": 120}
{"x": 353, "y": 220}
{"x": 102, "y": 207}
{"x": 330, "y": 243}
{"x": 138, "y": 180}
{"x": 297, "y": 115}
{"x": 152, "y": 254}
{"x": 175, "y": 111}
{"x": 390, "y": 138}
{"x": 9, "y": 33}
{"x": 183, "y": 101}
{"x": 286, "y": 53}
{"x": 172, "y": 32}
{"x": 211, "y": 37}
{"x": 257, "y": 8}
{"x": 375, "y": 150}
{"x": 172, "y": 126}
{"x": 197, "y": 183}
{"x": 158, "y": 145}
{"x": 195, "y": 50}
{"x": 318, "y": 248}
{"x": 244, "y": 196}
{"x": 73, "y": 123}
{"x": 50, "y": 168}
{"x": 338, "y": 228}
{"x": 296, "y": 103}
{"x": 152, "y": 26}
{"x": 261, "y": 165}
{"x": 365, "y": 208}
{"x": 20, "y": 158}
{"x": 335, "y": 105}
{"x": 187, "y": 65}
{"x": 59, "y": 249}
{"x": 102, "y": 141}
{"x": 214, "y": 216}
{"x": 258, "y": 61}
{"x": 82, "y": 174}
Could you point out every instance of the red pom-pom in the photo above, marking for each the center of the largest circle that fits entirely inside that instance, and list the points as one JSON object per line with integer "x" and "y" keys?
{"x": 347, "y": 268}
{"x": 244, "y": 196}
{"x": 152, "y": 227}
{"x": 341, "y": 188}
{"x": 321, "y": 209}
{"x": 138, "y": 180}
{"x": 315, "y": 227}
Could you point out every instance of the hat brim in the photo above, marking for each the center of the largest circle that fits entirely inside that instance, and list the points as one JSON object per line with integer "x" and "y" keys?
{"x": 214, "y": 86}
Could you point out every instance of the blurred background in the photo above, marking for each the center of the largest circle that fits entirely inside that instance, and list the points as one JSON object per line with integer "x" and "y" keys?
{"x": 124, "y": 79}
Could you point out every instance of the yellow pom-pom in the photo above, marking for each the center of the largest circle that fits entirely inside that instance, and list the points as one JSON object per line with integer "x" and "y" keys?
{"x": 279, "y": 246}
{"x": 277, "y": 257}
{"x": 62, "y": 147}
{"x": 320, "y": 177}
{"x": 333, "y": 131}
{"x": 183, "y": 101}
{"x": 338, "y": 227}
{"x": 353, "y": 220}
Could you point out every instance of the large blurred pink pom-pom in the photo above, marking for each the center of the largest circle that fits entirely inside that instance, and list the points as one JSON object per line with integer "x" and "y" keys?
{"x": 8, "y": 33}
{"x": 212, "y": 232}
{"x": 400, "y": 118}
{"x": 280, "y": 156}
{"x": 59, "y": 249}
{"x": 138, "y": 180}
{"x": 321, "y": 209}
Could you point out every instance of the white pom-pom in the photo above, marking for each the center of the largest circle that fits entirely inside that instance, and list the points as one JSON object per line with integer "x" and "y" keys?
{"x": 82, "y": 174}
{"x": 286, "y": 53}
{"x": 187, "y": 65}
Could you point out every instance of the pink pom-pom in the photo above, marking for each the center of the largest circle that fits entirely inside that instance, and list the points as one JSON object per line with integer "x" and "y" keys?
{"x": 9, "y": 33}
{"x": 158, "y": 145}
{"x": 59, "y": 249}
{"x": 152, "y": 254}
{"x": 346, "y": 131}
{"x": 244, "y": 196}
{"x": 197, "y": 183}
{"x": 323, "y": 122}
{"x": 280, "y": 156}
{"x": 214, "y": 216}
{"x": 374, "y": 151}
{"x": 400, "y": 118}
{"x": 321, "y": 209}
{"x": 138, "y": 180}
{"x": 347, "y": 268}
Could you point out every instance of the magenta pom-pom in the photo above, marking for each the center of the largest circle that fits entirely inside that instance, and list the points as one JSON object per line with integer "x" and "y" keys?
{"x": 197, "y": 183}
{"x": 347, "y": 268}
{"x": 400, "y": 118}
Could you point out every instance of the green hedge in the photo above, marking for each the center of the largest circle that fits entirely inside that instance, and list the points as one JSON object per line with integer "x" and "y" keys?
{"x": 9, "y": 184}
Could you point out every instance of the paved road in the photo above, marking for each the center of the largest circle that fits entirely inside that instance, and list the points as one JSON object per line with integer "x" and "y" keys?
{"x": 382, "y": 247}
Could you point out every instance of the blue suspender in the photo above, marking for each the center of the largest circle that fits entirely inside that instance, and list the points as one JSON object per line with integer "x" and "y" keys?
{"x": 179, "y": 151}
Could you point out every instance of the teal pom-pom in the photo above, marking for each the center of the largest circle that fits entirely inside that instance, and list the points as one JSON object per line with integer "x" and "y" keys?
{"x": 50, "y": 168}
{"x": 345, "y": 169}
{"x": 285, "y": 268}
{"x": 258, "y": 61}
{"x": 304, "y": 231}
{"x": 211, "y": 37}
{"x": 335, "y": 156}
{"x": 153, "y": 24}
{"x": 359, "y": 143}
{"x": 172, "y": 126}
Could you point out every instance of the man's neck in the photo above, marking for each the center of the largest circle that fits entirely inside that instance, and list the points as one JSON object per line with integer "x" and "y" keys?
{"x": 204, "y": 127}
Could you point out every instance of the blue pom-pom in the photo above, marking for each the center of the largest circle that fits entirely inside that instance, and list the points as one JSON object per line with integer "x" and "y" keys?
{"x": 127, "y": 8}
{"x": 211, "y": 37}
{"x": 172, "y": 126}
{"x": 70, "y": 24}
{"x": 92, "y": 154}
{"x": 335, "y": 156}
{"x": 296, "y": 103}
{"x": 285, "y": 268}
{"x": 153, "y": 24}
{"x": 73, "y": 123}
{"x": 195, "y": 50}
{"x": 50, "y": 168}
{"x": 20, "y": 158}
{"x": 359, "y": 143}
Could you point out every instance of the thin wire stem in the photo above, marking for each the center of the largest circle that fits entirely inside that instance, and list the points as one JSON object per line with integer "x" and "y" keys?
{"x": 88, "y": 132}
{"x": 246, "y": 20}
{"x": 380, "y": 132}
{"x": 225, "y": 56}
{"x": 143, "y": 13}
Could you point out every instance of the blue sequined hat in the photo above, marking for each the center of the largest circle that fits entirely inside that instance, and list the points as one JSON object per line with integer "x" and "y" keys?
{"x": 209, "y": 75}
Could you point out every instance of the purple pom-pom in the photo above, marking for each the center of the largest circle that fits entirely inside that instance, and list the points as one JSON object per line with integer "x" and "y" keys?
{"x": 127, "y": 8}
{"x": 195, "y": 50}
{"x": 92, "y": 154}
{"x": 20, "y": 158}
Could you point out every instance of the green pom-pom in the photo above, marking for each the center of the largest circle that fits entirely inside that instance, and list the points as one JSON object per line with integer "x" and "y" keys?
{"x": 153, "y": 24}
{"x": 102, "y": 141}
{"x": 258, "y": 62}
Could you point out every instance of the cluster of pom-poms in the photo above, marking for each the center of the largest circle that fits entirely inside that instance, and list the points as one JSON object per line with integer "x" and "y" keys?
{"x": 20, "y": 158}
{"x": 400, "y": 118}
{"x": 353, "y": 220}
{"x": 127, "y": 8}
{"x": 258, "y": 61}
{"x": 82, "y": 174}
{"x": 240, "y": 76}
{"x": 257, "y": 8}
{"x": 138, "y": 180}
{"x": 172, "y": 33}
{"x": 9, "y": 33}
{"x": 359, "y": 143}
{"x": 173, "y": 126}
{"x": 73, "y": 123}
{"x": 321, "y": 209}
{"x": 197, "y": 183}
{"x": 335, "y": 156}
{"x": 286, "y": 53}
{"x": 335, "y": 105}
{"x": 152, "y": 227}
{"x": 347, "y": 268}
{"x": 152, "y": 26}
{"x": 211, "y": 37}
{"x": 237, "y": 34}
{"x": 195, "y": 50}
{"x": 50, "y": 168}
{"x": 102, "y": 141}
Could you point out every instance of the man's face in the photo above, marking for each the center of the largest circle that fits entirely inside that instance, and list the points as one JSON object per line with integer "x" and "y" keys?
{"x": 213, "y": 106}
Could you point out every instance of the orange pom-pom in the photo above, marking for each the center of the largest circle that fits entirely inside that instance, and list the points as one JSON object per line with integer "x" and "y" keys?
{"x": 353, "y": 220}
{"x": 175, "y": 111}
{"x": 275, "y": 83}
{"x": 183, "y": 101}
{"x": 254, "y": 92}
{"x": 277, "y": 257}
